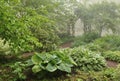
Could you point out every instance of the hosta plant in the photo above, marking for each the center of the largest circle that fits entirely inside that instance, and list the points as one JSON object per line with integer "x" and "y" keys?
{"x": 87, "y": 60}
{"x": 52, "y": 61}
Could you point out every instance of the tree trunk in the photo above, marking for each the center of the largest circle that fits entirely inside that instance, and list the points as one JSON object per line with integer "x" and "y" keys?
{"x": 100, "y": 32}
{"x": 68, "y": 29}
{"x": 73, "y": 29}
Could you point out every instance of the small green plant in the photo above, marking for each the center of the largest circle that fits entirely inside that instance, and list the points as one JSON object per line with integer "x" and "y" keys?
{"x": 105, "y": 75}
{"x": 112, "y": 55}
{"x": 18, "y": 70}
{"x": 108, "y": 43}
{"x": 85, "y": 39}
{"x": 4, "y": 47}
{"x": 93, "y": 47}
{"x": 117, "y": 74}
{"x": 56, "y": 60}
{"x": 88, "y": 60}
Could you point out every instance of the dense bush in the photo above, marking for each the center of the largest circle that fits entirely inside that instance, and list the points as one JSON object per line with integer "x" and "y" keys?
{"x": 105, "y": 75}
{"x": 4, "y": 47}
{"x": 15, "y": 27}
{"x": 108, "y": 43}
{"x": 48, "y": 38}
{"x": 85, "y": 39}
{"x": 87, "y": 60}
{"x": 116, "y": 75}
{"x": 44, "y": 30}
{"x": 18, "y": 71}
{"x": 93, "y": 47}
{"x": 56, "y": 60}
{"x": 112, "y": 55}
{"x": 26, "y": 29}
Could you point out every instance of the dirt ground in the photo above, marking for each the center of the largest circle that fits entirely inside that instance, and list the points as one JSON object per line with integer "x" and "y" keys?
{"x": 111, "y": 63}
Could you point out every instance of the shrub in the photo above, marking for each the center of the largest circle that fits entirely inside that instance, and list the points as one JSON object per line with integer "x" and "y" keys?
{"x": 93, "y": 47}
{"x": 18, "y": 70}
{"x": 105, "y": 75}
{"x": 116, "y": 74}
{"x": 112, "y": 55}
{"x": 85, "y": 39}
{"x": 108, "y": 43}
{"x": 48, "y": 38}
{"x": 87, "y": 60}
{"x": 56, "y": 60}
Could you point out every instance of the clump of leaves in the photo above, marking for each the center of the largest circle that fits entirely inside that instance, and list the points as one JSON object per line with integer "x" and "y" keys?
{"x": 18, "y": 70}
{"x": 85, "y": 39}
{"x": 108, "y": 43}
{"x": 112, "y": 55}
{"x": 117, "y": 74}
{"x": 4, "y": 47}
{"x": 88, "y": 60}
{"x": 56, "y": 60}
{"x": 93, "y": 47}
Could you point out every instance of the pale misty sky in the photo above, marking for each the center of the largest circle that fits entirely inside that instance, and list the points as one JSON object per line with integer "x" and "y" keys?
{"x": 94, "y": 1}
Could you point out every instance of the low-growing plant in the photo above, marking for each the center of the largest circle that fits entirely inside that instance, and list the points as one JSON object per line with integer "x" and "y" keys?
{"x": 105, "y": 75}
{"x": 52, "y": 61}
{"x": 88, "y": 60}
{"x": 112, "y": 55}
{"x": 85, "y": 39}
{"x": 108, "y": 43}
{"x": 93, "y": 47}
{"x": 116, "y": 74}
{"x": 4, "y": 47}
{"x": 18, "y": 70}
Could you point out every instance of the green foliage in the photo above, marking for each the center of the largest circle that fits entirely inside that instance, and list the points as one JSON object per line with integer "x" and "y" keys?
{"x": 105, "y": 75}
{"x": 116, "y": 75}
{"x": 54, "y": 10}
{"x": 18, "y": 70}
{"x": 48, "y": 38}
{"x": 4, "y": 47}
{"x": 88, "y": 60}
{"x": 108, "y": 43}
{"x": 93, "y": 47}
{"x": 85, "y": 39}
{"x": 52, "y": 61}
{"x": 109, "y": 73}
{"x": 112, "y": 55}
{"x": 43, "y": 29}
{"x": 66, "y": 38}
{"x": 14, "y": 27}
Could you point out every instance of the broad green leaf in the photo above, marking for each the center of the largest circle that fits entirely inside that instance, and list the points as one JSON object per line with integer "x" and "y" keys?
{"x": 51, "y": 68}
{"x": 64, "y": 67}
{"x": 41, "y": 56}
{"x": 36, "y": 68}
{"x": 36, "y": 59}
{"x": 72, "y": 61}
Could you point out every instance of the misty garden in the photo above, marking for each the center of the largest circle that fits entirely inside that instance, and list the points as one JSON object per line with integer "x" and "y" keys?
{"x": 59, "y": 40}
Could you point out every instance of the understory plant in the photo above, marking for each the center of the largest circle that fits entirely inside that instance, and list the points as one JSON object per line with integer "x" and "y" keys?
{"x": 85, "y": 39}
{"x": 117, "y": 74}
{"x": 112, "y": 55}
{"x": 108, "y": 43}
{"x": 87, "y": 60}
{"x": 52, "y": 61}
{"x": 4, "y": 47}
{"x": 18, "y": 71}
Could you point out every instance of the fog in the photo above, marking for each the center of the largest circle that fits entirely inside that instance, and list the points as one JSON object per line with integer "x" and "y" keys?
{"x": 94, "y": 1}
